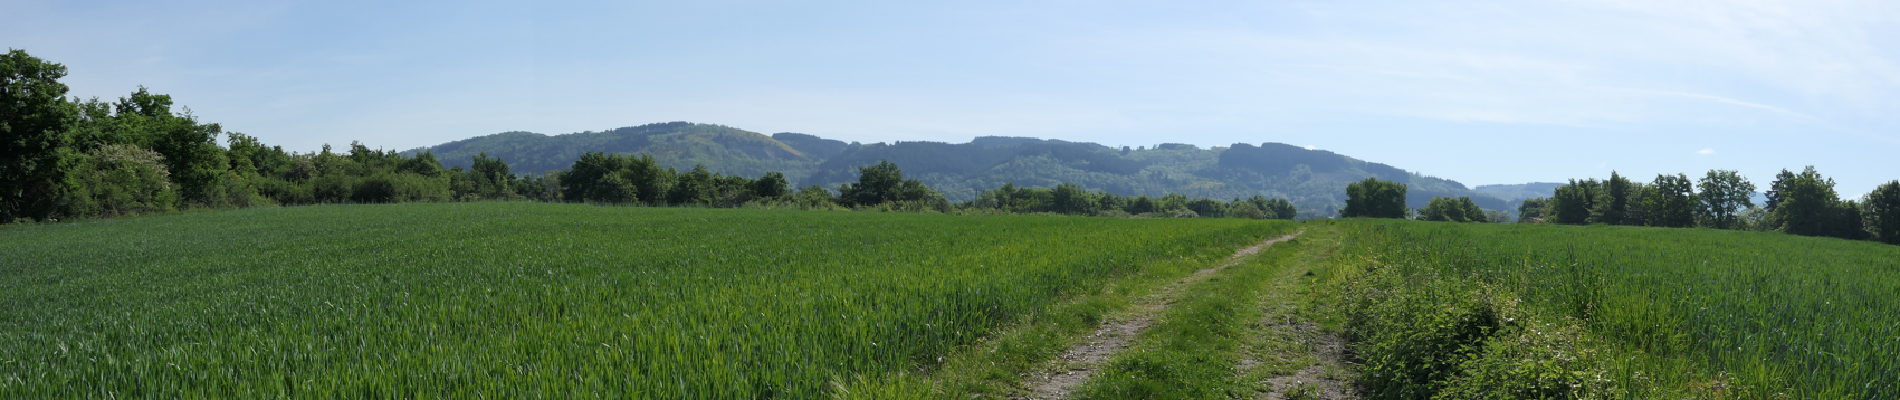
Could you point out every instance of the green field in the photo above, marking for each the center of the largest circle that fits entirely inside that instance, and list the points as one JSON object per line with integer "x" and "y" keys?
{"x": 539, "y": 300}
{"x": 1664, "y": 313}
{"x": 520, "y": 299}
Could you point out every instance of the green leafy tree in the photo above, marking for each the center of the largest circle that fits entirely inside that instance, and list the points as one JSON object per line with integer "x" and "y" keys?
{"x": 1244, "y": 209}
{"x": 1471, "y": 211}
{"x": 1452, "y": 210}
{"x": 694, "y": 187}
{"x": 1777, "y": 190}
{"x": 772, "y": 186}
{"x": 1374, "y": 198}
{"x": 814, "y": 196}
{"x": 190, "y": 148}
{"x": 1809, "y": 206}
{"x": 35, "y": 119}
{"x": 882, "y": 183}
{"x": 1572, "y": 202}
{"x": 492, "y": 178}
{"x": 122, "y": 180}
{"x": 1613, "y": 202}
{"x": 1671, "y": 202}
{"x": 1882, "y": 212}
{"x": 1532, "y": 209}
{"x": 1069, "y": 198}
{"x": 1207, "y": 208}
{"x": 1724, "y": 193}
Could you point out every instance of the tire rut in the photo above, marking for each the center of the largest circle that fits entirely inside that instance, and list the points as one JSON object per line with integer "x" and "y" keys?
{"x": 1075, "y": 366}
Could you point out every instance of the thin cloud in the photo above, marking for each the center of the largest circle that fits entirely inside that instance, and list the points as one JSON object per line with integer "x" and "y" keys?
{"x": 1705, "y": 151}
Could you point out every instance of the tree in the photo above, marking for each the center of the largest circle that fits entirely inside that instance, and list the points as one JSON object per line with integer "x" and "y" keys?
{"x": 694, "y": 187}
{"x": 1374, "y": 198}
{"x": 1247, "y": 210}
{"x": 35, "y": 119}
{"x": 1613, "y": 202}
{"x": 491, "y": 176}
{"x": 1282, "y": 208}
{"x": 1572, "y": 202}
{"x": 1882, "y": 212}
{"x": 772, "y": 186}
{"x": 1460, "y": 209}
{"x": 122, "y": 179}
{"x": 1724, "y": 193}
{"x": 1671, "y": 202}
{"x": 1808, "y": 206}
{"x": 1532, "y": 210}
{"x": 883, "y": 183}
{"x": 191, "y": 150}
{"x": 1498, "y": 216}
{"x": 1777, "y": 190}
{"x": 1207, "y": 208}
{"x": 1069, "y": 198}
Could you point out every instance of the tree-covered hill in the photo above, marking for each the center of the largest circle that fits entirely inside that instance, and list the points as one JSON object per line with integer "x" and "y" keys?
{"x": 1521, "y": 191}
{"x": 1315, "y": 180}
{"x": 678, "y": 144}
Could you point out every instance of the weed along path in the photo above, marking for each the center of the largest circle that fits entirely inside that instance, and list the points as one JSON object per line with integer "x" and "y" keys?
{"x": 1080, "y": 362}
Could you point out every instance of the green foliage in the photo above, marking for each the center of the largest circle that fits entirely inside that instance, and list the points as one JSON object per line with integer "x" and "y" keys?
{"x": 1807, "y": 205}
{"x": 1625, "y": 312}
{"x": 1314, "y": 180}
{"x": 1572, "y": 202}
{"x": 1612, "y": 205}
{"x": 121, "y": 180}
{"x": 1452, "y": 210}
{"x": 525, "y": 300}
{"x": 1532, "y": 210}
{"x": 1883, "y": 212}
{"x": 35, "y": 121}
{"x": 1671, "y": 202}
{"x": 1724, "y": 193}
{"x": 884, "y": 183}
{"x": 1373, "y": 198}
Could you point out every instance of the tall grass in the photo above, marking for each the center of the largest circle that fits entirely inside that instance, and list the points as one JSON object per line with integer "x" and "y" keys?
{"x": 1699, "y": 312}
{"x": 536, "y": 300}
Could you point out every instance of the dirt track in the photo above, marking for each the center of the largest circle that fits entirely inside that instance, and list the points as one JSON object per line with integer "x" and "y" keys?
{"x": 1080, "y": 362}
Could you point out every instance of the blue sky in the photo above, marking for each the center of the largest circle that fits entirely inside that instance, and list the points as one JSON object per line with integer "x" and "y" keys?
{"x": 1479, "y": 92}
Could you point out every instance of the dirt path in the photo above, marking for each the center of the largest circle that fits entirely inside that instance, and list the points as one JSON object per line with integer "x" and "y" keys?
{"x": 1080, "y": 362}
{"x": 1295, "y": 358}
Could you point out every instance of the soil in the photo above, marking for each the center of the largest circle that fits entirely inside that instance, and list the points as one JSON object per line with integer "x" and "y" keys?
{"x": 1324, "y": 379}
{"x": 1080, "y": 362}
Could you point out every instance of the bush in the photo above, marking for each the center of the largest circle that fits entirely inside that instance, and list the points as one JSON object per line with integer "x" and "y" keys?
{"x": 119, "y": 180}
{"x": 1429, "y": 336}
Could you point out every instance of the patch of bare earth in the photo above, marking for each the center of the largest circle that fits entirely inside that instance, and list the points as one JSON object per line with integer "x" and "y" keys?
{"x": 1080, "y": 362}
{"x": 1326, "y": 378}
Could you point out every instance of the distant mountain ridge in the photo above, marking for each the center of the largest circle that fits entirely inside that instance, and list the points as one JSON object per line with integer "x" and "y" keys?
{"x": 1315, "y": 180}
{"x": 1520, "y": 191}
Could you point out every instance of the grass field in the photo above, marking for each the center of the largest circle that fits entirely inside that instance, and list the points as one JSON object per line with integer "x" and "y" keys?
{"x": 560, "y": 300}
{"x": 538, "y": 300}
{"x": 1676, "y": 313}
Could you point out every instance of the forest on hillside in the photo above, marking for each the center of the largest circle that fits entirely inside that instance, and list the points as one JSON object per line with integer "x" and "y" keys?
{"x": 1315, "y": 180}
{"x": 72, "y": 158}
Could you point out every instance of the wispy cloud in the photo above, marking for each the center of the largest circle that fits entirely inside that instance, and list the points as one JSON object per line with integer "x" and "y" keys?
{"x": 1706, "y": 151}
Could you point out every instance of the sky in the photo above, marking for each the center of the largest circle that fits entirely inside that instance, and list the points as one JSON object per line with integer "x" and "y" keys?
{"x": 1482, "y": 92}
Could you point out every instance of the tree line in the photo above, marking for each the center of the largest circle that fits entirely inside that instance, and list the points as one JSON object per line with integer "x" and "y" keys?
{"x": 1801, "y": 203}
{"x": 1375, "y": 198}
{"x": 68, "y": 158}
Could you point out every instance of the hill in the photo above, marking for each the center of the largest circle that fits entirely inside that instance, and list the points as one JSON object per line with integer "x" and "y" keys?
{"x": 1517, "y": 192}
{"x": 1315, "y": 180}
